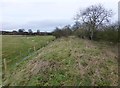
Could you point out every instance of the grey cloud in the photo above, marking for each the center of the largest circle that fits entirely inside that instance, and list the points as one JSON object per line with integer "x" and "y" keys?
{"x": 45, "y": 25}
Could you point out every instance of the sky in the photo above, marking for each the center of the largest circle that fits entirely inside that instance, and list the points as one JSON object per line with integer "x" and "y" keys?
{"x": 45, "y": 15}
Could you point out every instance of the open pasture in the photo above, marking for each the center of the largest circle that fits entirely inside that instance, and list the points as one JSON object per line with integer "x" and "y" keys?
{"x": 17, "y": 47}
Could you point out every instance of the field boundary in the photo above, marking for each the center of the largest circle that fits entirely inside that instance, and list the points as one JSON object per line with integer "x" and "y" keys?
{"x": 32, "y": 54}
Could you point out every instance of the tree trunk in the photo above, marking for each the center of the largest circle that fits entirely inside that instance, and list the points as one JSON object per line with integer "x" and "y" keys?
{"x": 91, "y": 35}
{"x": 92, "y": 32}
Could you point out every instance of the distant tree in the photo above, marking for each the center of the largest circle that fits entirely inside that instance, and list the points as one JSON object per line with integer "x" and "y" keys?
{"x": 63, "y": 32}
{"x": 38, "y": 32}
{"x": 66, "y": 31}
{"x": 93, "y": 17}
{"x": 21, "y": 31}
{"x": 76, "y": 25}
{"x": 57, "y": 32}
{"x": 14, "y": 32}
{"x": 30, "y": 31}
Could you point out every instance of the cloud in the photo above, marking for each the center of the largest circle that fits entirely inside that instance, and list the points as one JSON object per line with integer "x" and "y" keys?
{"x": 45, "y": 25}
{"x": 16, "y": 14}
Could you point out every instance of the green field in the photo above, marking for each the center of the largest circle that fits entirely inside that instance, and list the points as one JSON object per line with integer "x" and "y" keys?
{"x": 16, "y": 48}
{"x": 65, "y": 62}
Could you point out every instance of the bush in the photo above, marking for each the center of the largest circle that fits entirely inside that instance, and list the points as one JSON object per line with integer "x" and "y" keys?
{"x": 62, "y": 32}
{"x": 110, "y": 35}
{"x": 57, "y": 33}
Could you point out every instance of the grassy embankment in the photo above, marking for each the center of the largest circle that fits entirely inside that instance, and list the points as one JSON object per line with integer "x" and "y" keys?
{"x": 16, "y": 48}
{"x": 69, "y": 61}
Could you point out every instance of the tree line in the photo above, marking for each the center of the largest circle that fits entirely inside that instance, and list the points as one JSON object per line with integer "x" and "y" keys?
{"x": 92, "y": 23}
{"x": 23, "y": 32}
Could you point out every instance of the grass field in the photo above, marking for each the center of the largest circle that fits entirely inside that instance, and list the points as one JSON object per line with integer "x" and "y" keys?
{"x": 65, "y": 62}
{"x": 15, "y": 48}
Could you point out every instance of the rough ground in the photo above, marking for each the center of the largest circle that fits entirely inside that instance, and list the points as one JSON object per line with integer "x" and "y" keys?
{"x": 69, "y": 61}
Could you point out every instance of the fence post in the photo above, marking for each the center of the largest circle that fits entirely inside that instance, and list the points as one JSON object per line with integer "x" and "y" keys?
{"x": 5, "y": 65}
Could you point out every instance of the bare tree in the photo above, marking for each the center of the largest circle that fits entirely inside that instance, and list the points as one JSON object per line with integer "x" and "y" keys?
{"x": 66, "y": 31}
{"x": 93, "y": 17}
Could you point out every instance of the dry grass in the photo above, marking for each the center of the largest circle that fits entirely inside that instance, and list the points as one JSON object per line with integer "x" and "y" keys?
{"x": 69, "y": 61}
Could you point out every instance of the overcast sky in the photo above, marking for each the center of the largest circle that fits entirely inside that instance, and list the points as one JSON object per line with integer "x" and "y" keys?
{"x": 45, "y": 14}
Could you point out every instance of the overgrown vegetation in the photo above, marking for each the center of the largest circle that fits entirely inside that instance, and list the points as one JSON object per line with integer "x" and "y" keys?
{"x": 92, "y": 23}
{"x": 65, "y": 32}
{"x": 84, "y": 54}
{"x": 68, "y": 62}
